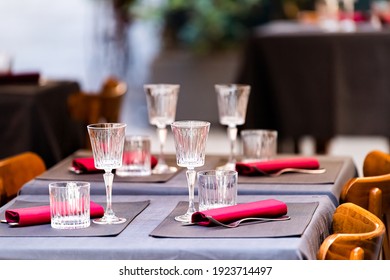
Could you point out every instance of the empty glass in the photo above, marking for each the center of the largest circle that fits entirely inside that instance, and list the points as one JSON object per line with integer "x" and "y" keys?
{"x": 259, "y": 144}
{"x": 217, "y": 188}
{"x": 232, "y": 104}
{"x": 136, "y": 157}
{"x": 162, "y": 101}
{"x": 190, "y": 139}
{"x": 107, "y": 141}
{"x": 69, "y": 205}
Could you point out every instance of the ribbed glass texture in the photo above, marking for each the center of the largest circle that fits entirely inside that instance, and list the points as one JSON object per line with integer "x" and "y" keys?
{"x": 107, "y": 141}
{"x": 190, "y": 142}
{"x": 232, "y": 103}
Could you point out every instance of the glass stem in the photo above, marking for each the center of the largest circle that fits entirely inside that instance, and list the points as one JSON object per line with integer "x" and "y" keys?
{"x": 108, "y": 179}
{"x": 232, "y": 134}
{"x": 162, "y": 136}
{"x": 191, "y": 174}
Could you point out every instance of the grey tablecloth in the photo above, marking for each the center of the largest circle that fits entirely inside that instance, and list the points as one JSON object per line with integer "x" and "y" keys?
{"x": 341, "y": 169}
{"x": 127, "y": 210}
{"x": 135, "y": 243}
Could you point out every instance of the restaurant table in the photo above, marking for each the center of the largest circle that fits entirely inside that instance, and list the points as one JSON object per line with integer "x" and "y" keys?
{"x": 135, "y": 242}
{"x": 305, "y": 81}
{"x": 34, "y": 117}
{"x": 338, "y": 171}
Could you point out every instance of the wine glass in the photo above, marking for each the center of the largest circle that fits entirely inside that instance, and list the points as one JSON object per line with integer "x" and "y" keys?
{"x": 161, "y": 101}
{"x": 107, "y": 140}
{"x": 190, "y": 139}
{"x": 232, "y": 104}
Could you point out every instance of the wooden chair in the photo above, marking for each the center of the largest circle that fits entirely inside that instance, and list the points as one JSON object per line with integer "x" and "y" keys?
{"x": 111, "y": 98}
{"x": 371, "y": 193}
{"x": 2, "y": 192}
{"x": 357, "y": 235}
{"x": 104, "y": 106}
{"x": 376, "y": 163}
{"x": 17, "y": 170}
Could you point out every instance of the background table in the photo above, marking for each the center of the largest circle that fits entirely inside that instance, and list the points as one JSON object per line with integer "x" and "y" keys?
{"x": 135, "y": 243}
{"x": 309, "y": 82}
{"x": 35, "y": 118}
{"x": 284, "y": 185}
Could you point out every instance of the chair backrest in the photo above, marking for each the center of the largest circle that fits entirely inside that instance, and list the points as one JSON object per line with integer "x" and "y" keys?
{"x": 371, "y": 193}
{"x": 84, "y": 107}
{"x": 111, "y": 96}
{"x": 357, "y": 234}
{"x": 376, "y": 163}
{"x": 17, "y": 170}
{"x": 104, "y": 106}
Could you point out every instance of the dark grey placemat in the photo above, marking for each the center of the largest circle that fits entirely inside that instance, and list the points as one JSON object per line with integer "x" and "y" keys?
{"x": 300, "y": 213}
{"x": 128, "y": 210}
{"x": 61, "y": 172}
{"x": 332, "y": 167}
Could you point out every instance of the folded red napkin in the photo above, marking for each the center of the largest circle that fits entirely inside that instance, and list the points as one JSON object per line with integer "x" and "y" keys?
{"x": 84, "y": 165}
{"x": 87, "y": 165}
{"x": 271, "y": 166}
{"x": 263, "y": 208}
{"x": 21, "y": 78}
{"x": 41, "y": 214}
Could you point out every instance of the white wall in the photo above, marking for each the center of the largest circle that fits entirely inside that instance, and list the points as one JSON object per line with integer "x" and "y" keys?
{"x": 51, "y": 37}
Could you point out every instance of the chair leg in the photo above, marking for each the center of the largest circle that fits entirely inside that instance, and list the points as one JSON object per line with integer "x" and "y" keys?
{"x": 386, "y": 245}
{"x": 386, "y": 251}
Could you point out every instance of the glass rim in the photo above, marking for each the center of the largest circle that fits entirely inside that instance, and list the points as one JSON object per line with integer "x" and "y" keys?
{"x": 232, "y": 85}
{"x": 160, "y": 85}
{"x": 258, "y": 131}
{"x": 103, "y": 126}
{"x": 194, "y": 123}
{"x": 64, "y": 184}
{"x": 213, "y": 172}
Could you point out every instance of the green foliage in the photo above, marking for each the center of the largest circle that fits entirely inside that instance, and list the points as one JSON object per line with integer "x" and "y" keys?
{"x": 202, "y": 25}
{"x": 206, "y": 25}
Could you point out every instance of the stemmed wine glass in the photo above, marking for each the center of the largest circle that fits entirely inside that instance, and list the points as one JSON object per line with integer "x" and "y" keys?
{"x": 232, "y": 103}
{"x": 161, "y": 101}
{"x": 107, "y": 140}
{"x": 190, "y": 139}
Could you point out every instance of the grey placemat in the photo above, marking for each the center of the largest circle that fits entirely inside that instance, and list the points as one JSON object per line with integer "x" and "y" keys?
{"x": 128, "y": 210}
{"x": 61, "y": 172}
{"x": 300, "y": 213}
{"x": 332, "y": 167}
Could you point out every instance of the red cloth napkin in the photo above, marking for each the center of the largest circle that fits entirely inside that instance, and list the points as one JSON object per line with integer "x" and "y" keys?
{"x": 22, "y": 78}
{"x": 87, "y": 165}
{"x": 271, "y": 166}
{"x": 41, "y": 214}
{"x": 84, "y": 165}
{"x": 262, "y": 208}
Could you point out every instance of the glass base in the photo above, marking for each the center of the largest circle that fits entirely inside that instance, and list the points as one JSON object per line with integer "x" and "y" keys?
{"x": 109, "y": 220}
{"x": 163, "y": 169}
{"x": 228, "y": 166}
{"x": 186, "y": 218}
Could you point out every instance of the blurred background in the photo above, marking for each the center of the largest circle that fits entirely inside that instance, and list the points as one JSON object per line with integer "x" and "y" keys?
{"x": 193, "y": 43}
